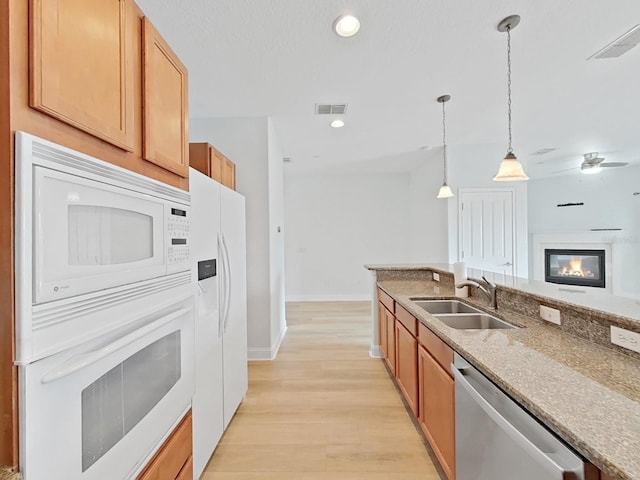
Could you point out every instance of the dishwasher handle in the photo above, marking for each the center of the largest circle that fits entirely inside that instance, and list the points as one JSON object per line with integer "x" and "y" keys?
{"x": 516, "y": 435}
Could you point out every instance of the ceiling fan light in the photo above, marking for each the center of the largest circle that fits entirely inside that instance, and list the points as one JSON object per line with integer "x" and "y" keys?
{"x": 510, "y": 170}
{"x": 445, "y": 191}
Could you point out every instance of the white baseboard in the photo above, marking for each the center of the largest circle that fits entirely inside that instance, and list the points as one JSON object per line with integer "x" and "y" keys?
{"x": 266, "y": 353}
{"x": 356, "y": 297}
{"x": 375, "y": 352}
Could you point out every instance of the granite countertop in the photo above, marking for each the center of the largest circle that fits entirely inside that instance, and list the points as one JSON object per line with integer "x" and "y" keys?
{"x": 7, "y": 474}
{"x": 586, "y": 393}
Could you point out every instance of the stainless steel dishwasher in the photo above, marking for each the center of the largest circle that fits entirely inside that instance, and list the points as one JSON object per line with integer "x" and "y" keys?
{"x": 496, "y": 439}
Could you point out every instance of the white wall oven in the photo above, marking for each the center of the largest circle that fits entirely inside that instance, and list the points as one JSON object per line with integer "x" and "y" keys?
{"x": 84, "y": 227}
{"x": 104, "y": 314}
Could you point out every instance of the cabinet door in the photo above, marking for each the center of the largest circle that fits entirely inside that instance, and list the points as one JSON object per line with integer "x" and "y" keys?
{"x": 217, "y": 159}
{"x": 200, "y": 157}
{"x": 82, "y": 66}
{"x": 391, "y": 340}
{"x": 407, "y": 365}
{"x": 164, "y": 92}
{"x": 437, "y": 410}
{"x": 382, "y": 328}
{"x": 229, "y": 174}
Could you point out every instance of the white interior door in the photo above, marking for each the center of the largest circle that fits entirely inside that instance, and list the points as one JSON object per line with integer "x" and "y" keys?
{"x": 487, "y": 229}
{"x": 234, "y": 342}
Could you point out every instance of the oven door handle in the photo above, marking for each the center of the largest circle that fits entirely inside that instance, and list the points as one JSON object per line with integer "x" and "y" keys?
{"x": 77, "y": 363}
{"x": 542, "y": 458}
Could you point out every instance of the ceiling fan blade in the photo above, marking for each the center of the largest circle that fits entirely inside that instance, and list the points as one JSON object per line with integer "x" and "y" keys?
{"x": 566, "y": 170}
{"x": 614, "y": 164}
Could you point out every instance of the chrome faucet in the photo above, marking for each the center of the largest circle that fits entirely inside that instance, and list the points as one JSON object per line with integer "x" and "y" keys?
{"x": 489, "y": 291}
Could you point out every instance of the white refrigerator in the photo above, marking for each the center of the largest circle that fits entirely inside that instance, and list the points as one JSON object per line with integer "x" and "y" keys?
{"x": 218, "y": 252}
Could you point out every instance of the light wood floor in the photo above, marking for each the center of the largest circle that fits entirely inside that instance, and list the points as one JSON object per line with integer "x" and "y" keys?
{"x": 323, "y": 410}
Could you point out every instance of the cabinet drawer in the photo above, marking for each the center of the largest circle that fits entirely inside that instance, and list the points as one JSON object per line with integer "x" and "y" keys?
{"x": 386, "y": 300}
{"x": 187, "y": 471}
{"x": 408, "y": 320}
{"x": 173, "y": 456}
{"x": 436, "y": 347}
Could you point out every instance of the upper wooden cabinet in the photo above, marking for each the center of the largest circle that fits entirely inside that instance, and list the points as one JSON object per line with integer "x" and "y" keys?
{"x": 206, "y": 159}
{"x": 81, "y": 72}
{"x": 165, "y": 115}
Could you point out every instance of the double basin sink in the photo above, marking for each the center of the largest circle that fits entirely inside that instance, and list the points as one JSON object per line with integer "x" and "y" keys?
{"x": 456, "y": 314}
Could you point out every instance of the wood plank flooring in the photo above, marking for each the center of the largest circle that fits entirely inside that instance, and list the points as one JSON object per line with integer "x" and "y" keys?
{"x": 323, "y": 410}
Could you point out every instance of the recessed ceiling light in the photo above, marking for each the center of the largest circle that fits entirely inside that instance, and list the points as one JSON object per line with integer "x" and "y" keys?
{"x": 346, "y": 25}
{"x": 337, "y": 124}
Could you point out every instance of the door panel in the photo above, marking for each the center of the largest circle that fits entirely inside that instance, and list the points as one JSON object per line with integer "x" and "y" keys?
{"x": 486, "y": 227}
{"x": 235, "y": 324}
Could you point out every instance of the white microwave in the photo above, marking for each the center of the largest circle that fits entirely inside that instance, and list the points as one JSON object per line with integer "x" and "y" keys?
{"x": 89, "y": 237}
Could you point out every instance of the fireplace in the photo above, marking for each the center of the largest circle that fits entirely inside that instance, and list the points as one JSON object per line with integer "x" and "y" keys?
{"x": 575, "y": 267}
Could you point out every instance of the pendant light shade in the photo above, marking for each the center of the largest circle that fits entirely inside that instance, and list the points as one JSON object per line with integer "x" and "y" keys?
{"x": 510, "y": 169}
{"x": 445, "y": 190}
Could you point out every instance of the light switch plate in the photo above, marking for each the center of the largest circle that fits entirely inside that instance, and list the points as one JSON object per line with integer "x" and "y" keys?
{"x": 550, "y": 314}
{"x": 625, "y": 338}
{"x": 436, "y": 277}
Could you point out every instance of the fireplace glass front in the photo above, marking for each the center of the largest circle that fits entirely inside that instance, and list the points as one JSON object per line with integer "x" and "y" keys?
{"x": 575, "y": 267}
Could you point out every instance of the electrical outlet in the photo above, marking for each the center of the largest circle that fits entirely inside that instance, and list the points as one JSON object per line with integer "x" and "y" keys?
{"x": 550, "y": 314}
{"x": 436, "y": 277}
{"x": 625, "y": 338}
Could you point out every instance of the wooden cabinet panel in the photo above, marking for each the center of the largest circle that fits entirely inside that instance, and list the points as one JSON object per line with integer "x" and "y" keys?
{"x": 229, "y": 174}
{"x": 187, "y": 471}
{"x": 436, "y": 347}
{"x": 386, "y": 300}
{"x": 82, "y": 66}
{"x": 165, "y": 116}
{"x": 604, "y": 477}
{"x": 200, "y": 158}
{"x": 217, "y": 159}
{"x": 407, "y": 365}
{"x": 391, "y": 340}
{"x": 382, "y": 328}
{"x": 437, "y": 410}
{"x": 173, "y": 456}
{"x": 408, "y": 320}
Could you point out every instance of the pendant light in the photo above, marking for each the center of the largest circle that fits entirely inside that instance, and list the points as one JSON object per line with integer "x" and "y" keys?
{"x": 445, "y": 190}
{"x": 510, "y": 169}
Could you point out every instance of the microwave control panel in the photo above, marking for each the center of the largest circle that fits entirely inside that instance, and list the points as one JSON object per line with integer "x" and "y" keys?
{"x": 177, "y": 238}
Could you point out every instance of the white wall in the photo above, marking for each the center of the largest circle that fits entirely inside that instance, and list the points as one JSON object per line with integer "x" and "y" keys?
{"x": 338, "y": 223}
{"x": 474, "y": 167}
{"x": 276, "y": 237}
{"x": 246, "y": 142}
{"x": 608, "y": 203}
{"x": 428, "y": 214}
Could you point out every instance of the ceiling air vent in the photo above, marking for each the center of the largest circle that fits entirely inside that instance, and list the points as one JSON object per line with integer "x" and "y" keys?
{"x": 329, "y": 109}
{"x": 286, "y": 159}
{"x": 619, "y": 46}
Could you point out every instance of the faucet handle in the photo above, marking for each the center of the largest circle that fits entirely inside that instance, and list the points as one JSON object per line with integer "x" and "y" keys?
{"x": 489, "y": 284}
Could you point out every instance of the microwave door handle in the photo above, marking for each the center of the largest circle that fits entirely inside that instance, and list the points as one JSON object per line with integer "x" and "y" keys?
{"x": 228, "y": 280}
{"x": 221, "y": 288}
{"x": 81, "y": 361}
{"x": 516, "y": 435}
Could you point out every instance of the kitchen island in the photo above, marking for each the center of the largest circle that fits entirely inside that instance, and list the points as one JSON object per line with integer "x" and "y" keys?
{"x": 585, "y": 392}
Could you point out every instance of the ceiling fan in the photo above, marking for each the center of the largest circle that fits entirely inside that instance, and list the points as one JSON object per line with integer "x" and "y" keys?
{"x": 592, "y": 163}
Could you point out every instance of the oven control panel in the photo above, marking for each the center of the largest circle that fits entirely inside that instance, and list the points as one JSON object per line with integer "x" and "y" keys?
{"x": 178, "y": 238}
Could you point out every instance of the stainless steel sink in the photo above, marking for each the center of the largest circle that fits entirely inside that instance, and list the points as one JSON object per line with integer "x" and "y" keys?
{"x": 473, "y": 321}
{"x": 445, "y": 306}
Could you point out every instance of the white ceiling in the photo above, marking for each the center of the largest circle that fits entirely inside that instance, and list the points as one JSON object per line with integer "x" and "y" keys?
{"x": 278, "y": 58}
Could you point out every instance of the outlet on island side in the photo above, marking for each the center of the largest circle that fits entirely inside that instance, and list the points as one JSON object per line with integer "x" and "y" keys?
{"x": 625, "y": 338}
{"x": 550, "y": 314}
{"x": 436, "y": 277}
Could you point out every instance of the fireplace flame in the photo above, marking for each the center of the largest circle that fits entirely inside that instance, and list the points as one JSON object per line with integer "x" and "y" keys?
{"x": 574, "y": 269}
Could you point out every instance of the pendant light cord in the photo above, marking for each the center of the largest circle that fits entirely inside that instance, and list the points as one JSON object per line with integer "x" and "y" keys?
{"x": 510, "y": 149}
{"x": 444, "y": 142}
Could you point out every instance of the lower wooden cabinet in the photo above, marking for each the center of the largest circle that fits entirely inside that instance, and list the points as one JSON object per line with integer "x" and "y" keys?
{"x": 173, "y": 461}
{"x": 437, "y": 409}
{"x": 382, "y": 328}
{"x": 390, "y": 324}
{"x": 407, "y": 365}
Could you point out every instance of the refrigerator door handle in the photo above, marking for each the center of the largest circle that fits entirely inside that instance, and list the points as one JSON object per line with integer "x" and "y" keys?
{"x": 222, "y": 287}
{"x": 228, "y": 281}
